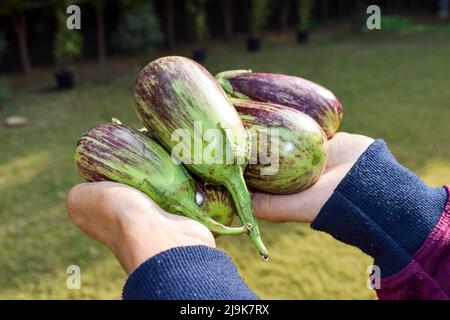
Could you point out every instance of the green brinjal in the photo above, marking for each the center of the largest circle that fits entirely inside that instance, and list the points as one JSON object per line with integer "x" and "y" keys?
{"x": 183, "y": 107}
{"x": 113, "y": 152}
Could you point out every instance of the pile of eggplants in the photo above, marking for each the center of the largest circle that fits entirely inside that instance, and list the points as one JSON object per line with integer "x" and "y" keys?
{"x": 303, "y": 95}
{"x": 243, "y": 109}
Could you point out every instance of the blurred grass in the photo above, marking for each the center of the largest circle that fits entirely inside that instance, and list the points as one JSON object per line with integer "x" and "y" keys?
{"x": 394, "y": 87}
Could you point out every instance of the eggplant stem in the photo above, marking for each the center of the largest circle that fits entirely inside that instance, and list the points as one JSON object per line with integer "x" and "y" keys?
{"x": 214, "y": 226}
{"x": 238, "y": 191}
{"x": 116, "y": 121}
{"x": 143, "y": 130}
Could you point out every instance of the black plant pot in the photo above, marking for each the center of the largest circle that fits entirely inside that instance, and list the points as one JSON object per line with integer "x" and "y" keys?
{"x": 254, "y": 44}
{"x": 65, "y": 79}
{"x": 199, "y": 55}
{"x": 302, "y": 36}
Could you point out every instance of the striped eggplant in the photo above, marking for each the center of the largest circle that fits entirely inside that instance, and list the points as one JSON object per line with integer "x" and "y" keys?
{"x": 183, "y": 106}
{"x": 295, "y": 92}
{"x": 113, "y": 152}
{"x": 215, "y": 200}
{"x": 217, "y": 203}
{"x": 294, "y": 142}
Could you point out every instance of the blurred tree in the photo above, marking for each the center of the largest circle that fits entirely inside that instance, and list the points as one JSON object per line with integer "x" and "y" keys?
{"x": 4, "y": 87}
{"x": 341, "y": 7}
{"x": 442, "y": 9}
{"x": 170, "y": 24}
{"x": 304, "y": 14}
{"x": 284, "y": 14}
{"x": 4, "y": 90}
{"x": 304, "y": 19}
{"x": 228, "y": 18}
{"x": 68, "y": 43}
{"x": 99, "y": 6}
{"x": 359, "y": 14}
{"x": 139, "y": 28}
{"x": 16, "y": 10}
{"x": 259, "y": 11}
{"x": 323, "y": 10}
{"x": 389, "y": 6}
{"x": 258, "y": 16}
{"x": 2, "y": 44}
{"x": 196, "y": 10}
{"x": 67, "y": 48}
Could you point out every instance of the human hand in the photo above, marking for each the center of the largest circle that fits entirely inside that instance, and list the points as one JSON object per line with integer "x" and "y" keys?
{"x": 344, "y": 150}
{"x": 129, "y": 223}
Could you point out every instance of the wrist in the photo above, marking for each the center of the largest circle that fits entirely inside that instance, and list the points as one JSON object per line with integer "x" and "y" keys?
{"x": 382, "y": 208}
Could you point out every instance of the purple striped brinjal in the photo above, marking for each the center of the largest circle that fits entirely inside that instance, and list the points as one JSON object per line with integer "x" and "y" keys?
{"x": 185, "y": 108}
{"x": 214, "y": 200}
{"x": 113, "y": 152}
{"x": 217, "y": 203}
{"x": 289, "y": 149}
{"x": 316, "y": 101}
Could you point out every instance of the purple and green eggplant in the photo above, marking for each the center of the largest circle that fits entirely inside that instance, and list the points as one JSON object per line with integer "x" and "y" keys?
{"x": 306, "y": 96}
{"x": 185, "y": 108}
{"x": 113, "y": 152}
{"x": 217, "y": 203}
{"x": 214, "y": 200}
{"x": 289, "y": 148}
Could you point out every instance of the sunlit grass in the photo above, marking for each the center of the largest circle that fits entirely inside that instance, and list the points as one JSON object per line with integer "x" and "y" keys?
{"x": 436, "y": 172}
{"x": 392, "y": 87}
{"x": 20, "y": 171}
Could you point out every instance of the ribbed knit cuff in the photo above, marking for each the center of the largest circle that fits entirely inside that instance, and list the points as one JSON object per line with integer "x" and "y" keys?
{"x": 382, "y": 208}
{"x": 187, "y": 273}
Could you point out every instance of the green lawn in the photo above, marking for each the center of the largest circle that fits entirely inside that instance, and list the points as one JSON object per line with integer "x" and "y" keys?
{"x": 395, "y": 87}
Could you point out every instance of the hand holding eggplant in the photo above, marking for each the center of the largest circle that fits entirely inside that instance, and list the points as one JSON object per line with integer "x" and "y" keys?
{"x": 175, "y": 95}
{"x": 114, "y": 152}
{"x": 343, "y": 151}
{"x": 130, "y": 224}
{"x": 187, "y": 111}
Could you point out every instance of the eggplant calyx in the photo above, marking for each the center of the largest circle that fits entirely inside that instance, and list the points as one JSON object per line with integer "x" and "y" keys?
{"x": 116, "y": 121}
{"x": 222, "y": 78}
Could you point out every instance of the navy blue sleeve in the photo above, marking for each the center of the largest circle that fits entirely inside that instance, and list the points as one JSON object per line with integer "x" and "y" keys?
{"x": 187, "y": 273}
{"x": 382, "y": 208}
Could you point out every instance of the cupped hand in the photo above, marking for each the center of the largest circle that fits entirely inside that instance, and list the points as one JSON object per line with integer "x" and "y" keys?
{"x": 129, "y": 223}
{"x": 343, "y": 151}
{"x": 135, "y": 229}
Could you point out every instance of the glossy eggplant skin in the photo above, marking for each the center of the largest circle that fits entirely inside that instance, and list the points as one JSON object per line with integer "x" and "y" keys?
{"x": 217, "y": 203}
{"x": 175, "y": 95}
{"x": 113, "y": 152}
{"x": 303, "y": 95}
{"x": 214, "y": 200}
{"x": 301, "y": 147}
